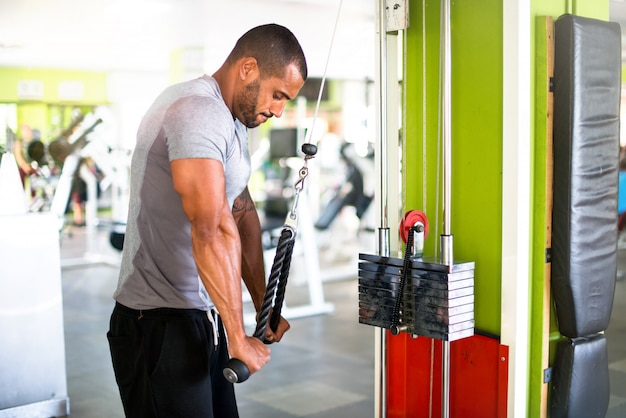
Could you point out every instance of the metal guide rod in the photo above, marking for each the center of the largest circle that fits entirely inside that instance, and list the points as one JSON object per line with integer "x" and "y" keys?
{"x": 446, "y": 239}
{"x": 384, "y": 240}
{"x": 382, "y": 86}
{"x": 447, "y": 253}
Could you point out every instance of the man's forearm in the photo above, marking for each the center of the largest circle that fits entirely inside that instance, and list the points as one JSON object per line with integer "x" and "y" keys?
{"x": 252, "y": 264}
{"x": 219, "y": 266}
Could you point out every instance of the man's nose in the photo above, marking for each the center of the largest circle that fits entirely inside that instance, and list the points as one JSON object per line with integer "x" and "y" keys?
{"x": 277, "y": 109}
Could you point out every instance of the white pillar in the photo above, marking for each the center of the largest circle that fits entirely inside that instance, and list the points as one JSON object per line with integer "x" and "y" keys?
{"x": 516, "y": 199}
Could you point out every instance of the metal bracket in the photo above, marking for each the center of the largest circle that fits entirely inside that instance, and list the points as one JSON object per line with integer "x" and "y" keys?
{"x": 548, "y": 255}
{"x": 418, "y": 240}
{"x": 551, "y": 85}
{"x": 397, "y": 15}
{"x": 547, "y": 375}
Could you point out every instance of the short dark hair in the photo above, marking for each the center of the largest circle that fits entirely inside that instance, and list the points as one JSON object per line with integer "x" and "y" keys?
{"x": 274, "y": 47}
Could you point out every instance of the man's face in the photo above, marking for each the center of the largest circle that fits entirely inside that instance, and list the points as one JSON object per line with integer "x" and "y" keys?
{"x": 260, "y": 99}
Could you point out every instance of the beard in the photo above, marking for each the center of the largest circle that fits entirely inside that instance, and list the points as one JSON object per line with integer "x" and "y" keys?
{"x": 247, "y": 103}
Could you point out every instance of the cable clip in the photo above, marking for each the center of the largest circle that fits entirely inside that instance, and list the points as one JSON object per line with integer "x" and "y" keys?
{"x": 309, "y": 151}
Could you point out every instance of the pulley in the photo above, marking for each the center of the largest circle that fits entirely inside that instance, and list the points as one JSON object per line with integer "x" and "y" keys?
{"x": 415, "y": 222}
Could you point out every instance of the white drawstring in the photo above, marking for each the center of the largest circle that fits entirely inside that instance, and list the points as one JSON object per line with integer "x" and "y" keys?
{"x": 211, "y": 313}
{"x": 213, "y": 316}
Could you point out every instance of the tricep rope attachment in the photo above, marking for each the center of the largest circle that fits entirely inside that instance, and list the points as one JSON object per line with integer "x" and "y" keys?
{"x": 236, "y": 371}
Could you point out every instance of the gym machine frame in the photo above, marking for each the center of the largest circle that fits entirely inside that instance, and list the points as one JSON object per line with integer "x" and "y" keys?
{"x": 426, "y": 308}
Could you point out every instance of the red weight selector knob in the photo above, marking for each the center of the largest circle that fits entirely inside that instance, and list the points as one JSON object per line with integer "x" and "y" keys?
{"x": 409, "y": 220}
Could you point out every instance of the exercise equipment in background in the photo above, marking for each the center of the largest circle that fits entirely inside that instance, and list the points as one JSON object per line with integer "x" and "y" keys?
{"x": 67, "y": 154}
{"x": 351, "y": 191}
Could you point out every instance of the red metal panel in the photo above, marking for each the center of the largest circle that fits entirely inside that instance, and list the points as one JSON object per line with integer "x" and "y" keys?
{"x": 478, "y": 377}
{"x": 503, "y": 381}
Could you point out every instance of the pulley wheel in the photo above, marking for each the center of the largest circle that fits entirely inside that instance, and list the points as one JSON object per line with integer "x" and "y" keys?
{"x": 410, "y": 219}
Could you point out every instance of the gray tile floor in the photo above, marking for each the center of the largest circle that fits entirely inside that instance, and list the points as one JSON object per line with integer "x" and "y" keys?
{"x": 324, "y": 367}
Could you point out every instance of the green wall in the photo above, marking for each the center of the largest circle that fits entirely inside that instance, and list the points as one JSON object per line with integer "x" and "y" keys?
{"x": 94, "y": 85}
{"x": 477, "y": 138}
{"x": 476, "y": 217}
{"x": 49, "y": 108}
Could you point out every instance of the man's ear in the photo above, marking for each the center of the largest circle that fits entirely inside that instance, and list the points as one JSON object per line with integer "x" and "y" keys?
{"x": 248, "y": 67}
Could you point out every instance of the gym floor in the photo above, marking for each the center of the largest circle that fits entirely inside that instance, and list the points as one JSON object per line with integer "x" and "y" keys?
{"x": 324, "y": 367}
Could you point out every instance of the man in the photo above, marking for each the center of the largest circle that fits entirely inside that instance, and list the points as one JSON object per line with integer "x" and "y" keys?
{"x": 20, "y": 146}
{"x": 193, "y": 233}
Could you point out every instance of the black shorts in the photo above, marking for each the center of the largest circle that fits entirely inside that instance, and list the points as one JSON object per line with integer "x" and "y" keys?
{"x": 167, "y": 365}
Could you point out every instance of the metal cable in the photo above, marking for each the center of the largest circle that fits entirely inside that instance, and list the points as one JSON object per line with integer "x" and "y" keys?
{"x": 321, "y": 90}
{"x": 406, "y": 275}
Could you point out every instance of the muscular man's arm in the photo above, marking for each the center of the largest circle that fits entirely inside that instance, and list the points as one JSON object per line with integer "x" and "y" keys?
{"x": 252, "y": 265}
{"x": 217, "y": 250}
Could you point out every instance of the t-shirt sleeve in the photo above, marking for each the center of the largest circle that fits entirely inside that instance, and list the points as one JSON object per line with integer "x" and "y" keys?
{"x": 198, "y": 127}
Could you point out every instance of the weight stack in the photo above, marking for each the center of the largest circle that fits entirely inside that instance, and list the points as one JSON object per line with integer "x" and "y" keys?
{"x": 437, "y": 302}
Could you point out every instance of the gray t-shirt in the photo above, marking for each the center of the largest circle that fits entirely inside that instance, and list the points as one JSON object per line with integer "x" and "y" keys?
{"x": 188, "y": 120}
